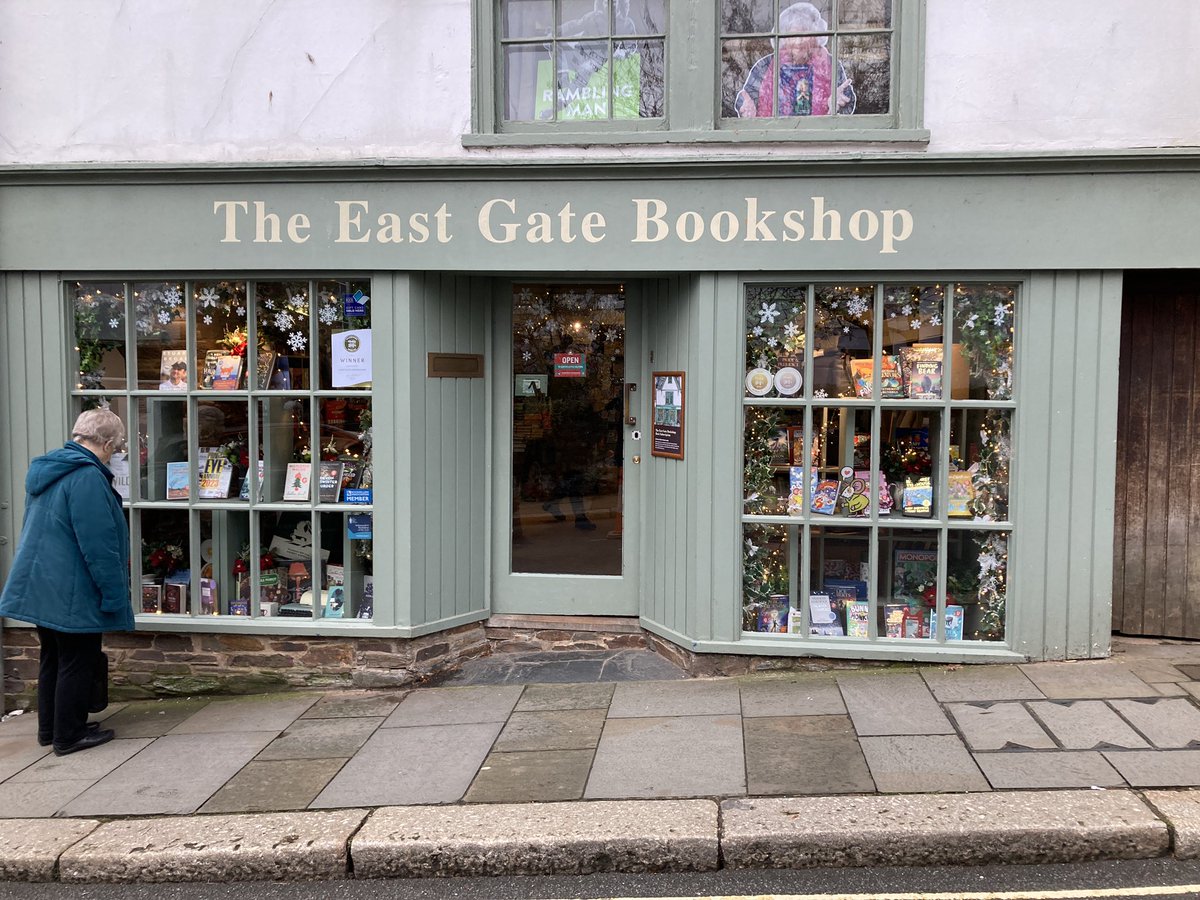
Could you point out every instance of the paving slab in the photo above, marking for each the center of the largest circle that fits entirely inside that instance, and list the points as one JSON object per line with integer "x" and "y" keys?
{"x": 804, "y": 755}
{"x": 27, "y": 721}
{"x": 538, "y": 839}
{"x": 39, "y": 799}
{"x": 29, "y": 848}
{"x": 1155, "y": 671}
{"x": 416, "y": 764}
{"x": 999, "y": 726}
{"x": 456, "y": 706}
{"x": 1193, "y": 688}
{"x": 567, "y": 729}
{"x": 910, "y": 764}
{"x": 89, "y": 765}
{"x": 566, "y": 667}
{"x": 266, "y": 712}
{"x": 355, "y": 704}
{"x": 1086, "y": 725}
{"x": 542, "y": 697}
{"x": 892, "y": 704}
{"x": 979, "y": 683}
{"x": 683, "y": 756}
{"x": 1192, "y": 672}
{"x": 1009, "y": 828}
{"x": 1181, "y": 809}
{"x": 277, "y": 786}
{"x": 1173, "y": 724}
{"x": 709, "y": 697}
{"x": 1157, "y": 768}
{"x": 321, "y": 739}
{"x": 1171, "y": 689}
{"x": 1057, "y": 769}
{"x": 174, "y": 775}
{"x": 265, "y": 847}
{"x": 152, "y": 718}
{"x": 531, "y": 776}
{"x": 1086, "y": 680}
{"x": 803, "y": 695}
{"x": 19, "y": 752}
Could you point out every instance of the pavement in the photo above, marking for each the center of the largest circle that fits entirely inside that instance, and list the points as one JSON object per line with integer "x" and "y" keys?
{"x": 617, "y": 762}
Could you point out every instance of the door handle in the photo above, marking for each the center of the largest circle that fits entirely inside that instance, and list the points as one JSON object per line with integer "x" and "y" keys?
{"x": 630, "y": 419}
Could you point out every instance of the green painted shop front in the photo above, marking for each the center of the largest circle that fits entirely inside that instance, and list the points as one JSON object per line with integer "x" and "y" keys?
{"x": 675, "y": 414}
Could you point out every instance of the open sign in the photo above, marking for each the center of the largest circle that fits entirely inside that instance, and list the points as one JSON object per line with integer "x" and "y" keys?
{"x": 570, "y": 365}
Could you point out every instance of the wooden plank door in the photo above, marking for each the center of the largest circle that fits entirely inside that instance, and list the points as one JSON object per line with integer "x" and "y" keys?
{"x": 1156, "y": 561}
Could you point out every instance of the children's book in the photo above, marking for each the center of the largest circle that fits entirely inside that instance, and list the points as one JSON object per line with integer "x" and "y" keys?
{"x": 366, "y": 606}
{"x": 266, "y": 365}
{"x": 779, "y": 448}
{"x": 329, "y": 481}
{"x": 918, "y": 497}
{"x": 954, "y": 622}
{"x": 773, "y": 616}
{"x": 858, "y": 614}
{"x": 209, "y": 605}
{"x": 822, "y": 619}
{"x": 795, "y": 505}
{"x": 351, "y": 469}
{"x": 228, "y": 374}
{"x": 212, "y": 359}
{"x": 863, "y": 372}
{"x": 178, "y": 481}
{"x": 855, "y": 497}
{"x": 297, "y": 481}
{"x": 922, "y": 368}
{"x": 244, "y": 494}
{"x": 215, "y": 477}
{"x": 893, "y": 619}
{"x": 825, "y": 497}
{"x": 960, "y": 493}
{"x": 915, "y": 573}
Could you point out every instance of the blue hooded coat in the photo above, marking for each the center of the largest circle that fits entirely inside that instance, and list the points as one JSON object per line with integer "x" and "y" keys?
{"x": 71, "y": 571}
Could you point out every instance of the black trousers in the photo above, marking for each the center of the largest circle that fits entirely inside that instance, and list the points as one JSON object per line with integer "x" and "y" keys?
{"x": 65, "y": 674}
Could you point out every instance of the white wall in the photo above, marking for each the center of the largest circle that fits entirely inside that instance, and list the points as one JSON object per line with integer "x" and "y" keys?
{"x": 310, "y": 80}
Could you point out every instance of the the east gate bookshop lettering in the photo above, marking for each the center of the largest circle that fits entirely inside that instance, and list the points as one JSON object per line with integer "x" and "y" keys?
{"x": 502, "y": 220}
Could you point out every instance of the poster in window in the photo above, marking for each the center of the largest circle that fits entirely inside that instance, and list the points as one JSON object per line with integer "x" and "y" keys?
{"x": 668, "y": 415}
{"x": 583, "y": 84}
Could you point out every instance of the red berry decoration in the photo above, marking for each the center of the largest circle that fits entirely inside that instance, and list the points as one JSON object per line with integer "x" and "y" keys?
{"x": 240, "y": 567}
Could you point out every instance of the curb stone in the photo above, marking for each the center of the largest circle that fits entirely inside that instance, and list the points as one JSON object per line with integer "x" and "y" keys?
{"x": 940, "y": 829}
{"x": 29, "y": 848}
{"x": 266, "y": 846}
{"x": 538, "y": 839}
{"x": 1181, "y": 810}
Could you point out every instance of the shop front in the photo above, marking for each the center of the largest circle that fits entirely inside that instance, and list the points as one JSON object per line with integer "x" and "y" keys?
{"x": 862, "y": 410}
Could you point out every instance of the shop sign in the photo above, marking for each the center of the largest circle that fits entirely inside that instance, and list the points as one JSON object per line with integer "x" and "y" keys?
{"x": 355, "y": 304}
{"x": 356, "y": 495}
{"x": 531, "y": 385}
{"x": 668, "y": 415}
{"x": 351, "y": 357}
{"x": 358, "y": 528}
{"x": 570, "y": 365}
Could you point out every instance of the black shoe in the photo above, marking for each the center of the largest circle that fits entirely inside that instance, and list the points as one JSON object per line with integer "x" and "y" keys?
{"x": 583, "y": 523}
{"x": 90, "y": 728}
{"x": 89, "y": 740}
{"x": 554, "y": 510}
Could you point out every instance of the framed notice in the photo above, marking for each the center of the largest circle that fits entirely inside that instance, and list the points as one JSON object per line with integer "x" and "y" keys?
{"x": 667, "y": 439}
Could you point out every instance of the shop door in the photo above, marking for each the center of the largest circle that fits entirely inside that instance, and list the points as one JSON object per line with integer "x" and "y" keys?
{"x": 566, "y": 485}
{"x": 1156, "y": 584}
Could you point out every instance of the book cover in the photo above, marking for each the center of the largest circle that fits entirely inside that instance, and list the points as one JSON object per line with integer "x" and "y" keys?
{"x": 858, "y": 614}
{"x": 796, "y": 90}
{"x": 893, "y": 619}
{"x": 211, "y": 360}
{"x": 239, "y": 606}
{"x": 795, "y": 505}
{"x": 863, "y": 373}
{"x": 915, "y": 572}
{"x": 954, "y": 622}
{"x": 228, "y": 374}
{"x": 918, "y": 497}
{"x": 216, "y": 476}
{"x": 960, "y": 493}
{"x": 244, "y": 494}
{"x": 351, "y": 469}
{"x": 366, "y": 606}
{"x": 855, "y": 497}
{"x": 173, "y": 371}
{"x": 922, "y": 367}
{"x": 118, "y": 464}
{"x": 822, "y": 617}
{"x": 152, "y": 598}
{"x": 329, "y": 481}
{"x": 779, "y": 448}
{"x": 266, "y": 366}
{"x": 335, "y": 602}
{"x": 825, "y": 497}
{"x": 178, "y": 481}
{"x": 335, "y": 575}
{"x": 857, "y": 589}
{"x": 773, "y": 616}
{"x": 891, "y": 382}
{"x": 297, "y": 481}
{"x": 174, "y": 597}
{"x": 209, "y": 605}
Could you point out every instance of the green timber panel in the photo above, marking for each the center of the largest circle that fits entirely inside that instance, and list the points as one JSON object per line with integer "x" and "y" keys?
{"x": 1064, "y": 466}
{"x": 33, "y": 393}
{"x": 445, "y": 503}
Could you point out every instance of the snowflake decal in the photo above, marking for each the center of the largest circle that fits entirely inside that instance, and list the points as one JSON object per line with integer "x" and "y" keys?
{"x": 173, "y": 296}
{"x": 971, "y": 320}
{"x": 892, "y": 314}
{"x": 856, "y": 306}
{"x": 269, "y": 304}
{"x": 541, "y": 308}
{"x": 845, "y": 329}
{"x": 757, "y": 331}
{"x": 915, "y": 323}
{"x": 611, "y": 335}
{"x": 795, "y": 310}
{"x": 906, "y": 309}
{"x": 935, "y": 319}
{"x": 819, "y": 394}
{"x": 328, "y": 315}
{"x": 768, "y": 313}
{"x": 163, "y": 317}
{"x": 297, "y": 341}
{"x": 284, "y": 321}
{"x": 241, "y": 311}
{"x": 998, "y": 318}
{"x": 114, "y": 323}
{"x": 208, "y": 320}
{"x": 833, "y": 304}
{"x": 524, "y": 295}
{"x": 791, "y": 329}
{"x": 208, "y": 298}
{"x": 298, "y": 302}
{"x": 751, "y": 548}
{"x": 527, "y": 356}
{"x": 771, "y": 342}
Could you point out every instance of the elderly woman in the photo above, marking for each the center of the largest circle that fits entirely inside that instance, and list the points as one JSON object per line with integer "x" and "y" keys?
{"x": 70, "y": 576}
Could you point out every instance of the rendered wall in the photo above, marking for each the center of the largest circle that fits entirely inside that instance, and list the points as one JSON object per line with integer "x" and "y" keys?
{"x": 257, "y": 80}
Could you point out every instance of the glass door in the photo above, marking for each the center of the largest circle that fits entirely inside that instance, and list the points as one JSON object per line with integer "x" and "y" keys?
{"x": 565, "y": 535}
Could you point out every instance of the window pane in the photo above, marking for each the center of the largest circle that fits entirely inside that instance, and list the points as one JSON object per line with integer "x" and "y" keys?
{"x": 285, "y": 562}
{"x": 345, "y": 445}
{"x": 224, "y": 449}
{"x": 841, "y": 457}
{"x": 981, "y": 453}
{"x": 162, "y": 357}
{"x": 281, "y": 317}
{"x": 775, "y": 340}
{"x": 99, "y": 310}
{"x": 528, "y": 84}
{"x": 526, "y": 18}
{"x": 639, "y": 17}
{"x": 804, "y": 18}
{"x": 344, "y": 328}
{"x": 839, "y": 565}
{"x": 639, "y": 83}
{"x": 907, "y": 582}
{"x": 977, "y": 582}
{"x": 285, "y": 433}
{"x": 583, "y": 18}
{"x": 746, "y": 16}
{"x": 842, "y": 339}
{"x": 912, "y": 337}
{"x": 909, "y": 458}
{"x": 865, "y": 71}
{"x": 768, "y": 576}
{"x": 984, "y": 328}
{"x": 854, "y": 14}
{"x": 221, "y": 317}
{"x": 583, "y": 87}
{"x": 346, "y": 575}
{"x": 162, "y": 439}
{"x": 774, "y": 477}
{"x": 165, "y": 563}
{"x": 745, "y": 65}
{"x": 225, "y": 562}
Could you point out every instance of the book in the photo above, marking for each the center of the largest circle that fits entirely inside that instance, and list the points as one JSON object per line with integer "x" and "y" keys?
{"x": 228, "y": 374}
{"x": 854, "y": 588}
{"x": 914, "y": 573}
{"x": 296, "y": 482}
{"x": 152, "y": 598}
{"x": 215, "y": 477}
{"x": 366, "y": 606}
{"x": 335, "y": 575}
{"x": 351, "y": 469}
{"x": 211, "y": 359}
{"x": 795, "y": 503}
{"x": 825, "y": 496}
{"x": 329, "y": 481}
{"x": 335, "y": 602}
{"x": 854, "y": 499}
{"x": 266, "y": 365}
{"x": 773, "y": 615}
{"x": 244, "y": 493}
{"x": 779, "y": 448}
{"x": 918, "y": 497}
{"x": 863, "y": 373}
{"x": 922, "y": 368}
{"x": 178, "y": 481}
{"x": 173, "y": 371}
{"x": 174, "y": 597}
{"x": 822, "y": 618}
{"x": 119, "y": 466}
{"x": 954, "y": 622}
{"x": 209, "y": 602}
{"x": 960, "y": 493}
{"x": 893, "y": 619}
{"x": 858, "y": 614}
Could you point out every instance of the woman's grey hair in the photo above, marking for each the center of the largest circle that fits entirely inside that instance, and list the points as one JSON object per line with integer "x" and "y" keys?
{"x": 802, "y": 18}
{"x": 99, "y": 426}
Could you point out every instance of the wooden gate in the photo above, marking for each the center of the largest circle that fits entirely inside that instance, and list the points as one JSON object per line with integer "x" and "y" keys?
{"x": 1156, "y": 567}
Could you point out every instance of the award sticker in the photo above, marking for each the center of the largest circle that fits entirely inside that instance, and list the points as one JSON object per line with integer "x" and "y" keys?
{"x": 788, "y": 381}
{"x": 759, "y": 382}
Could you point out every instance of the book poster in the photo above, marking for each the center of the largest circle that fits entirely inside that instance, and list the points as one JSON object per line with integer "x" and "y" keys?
{"x": 668, "y": 415}
{"x": 583, "y": 85}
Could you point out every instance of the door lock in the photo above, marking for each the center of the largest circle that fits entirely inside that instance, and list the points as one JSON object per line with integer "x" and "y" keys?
{"x": 637, "y": 460}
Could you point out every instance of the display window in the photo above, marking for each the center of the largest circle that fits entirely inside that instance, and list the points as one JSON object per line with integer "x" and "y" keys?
{"x": 248, "y": 481}
{"x": 877, "y": 447}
